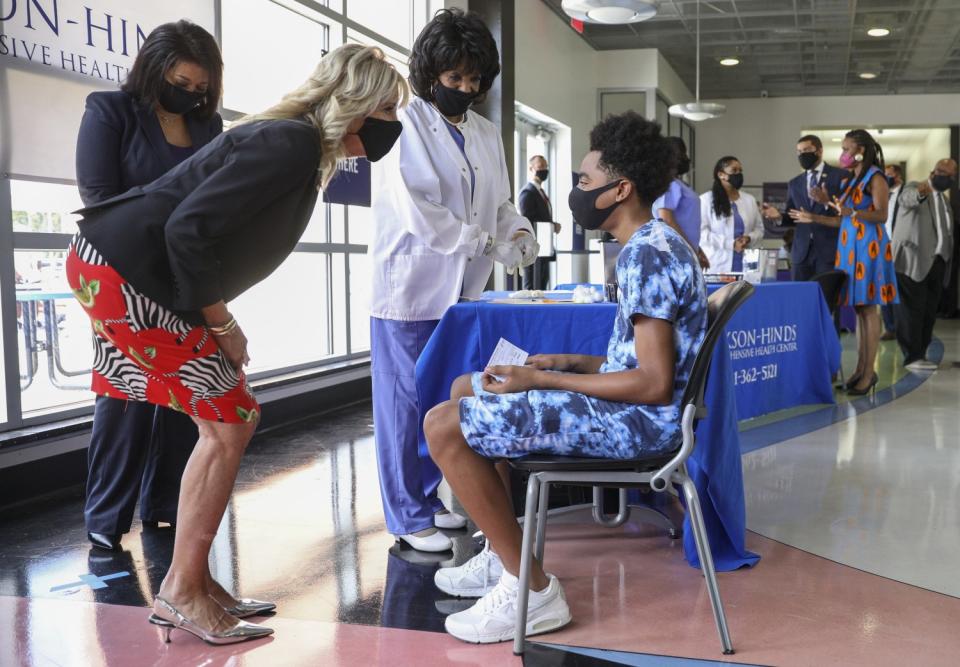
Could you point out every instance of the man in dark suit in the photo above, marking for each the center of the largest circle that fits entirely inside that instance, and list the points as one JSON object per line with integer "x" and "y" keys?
{"x": 814, "y": 245}
{"x": 534, "y": 204}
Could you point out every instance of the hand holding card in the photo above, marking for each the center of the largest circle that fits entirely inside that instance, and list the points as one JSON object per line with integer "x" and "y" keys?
{"x": 507, "y": 354}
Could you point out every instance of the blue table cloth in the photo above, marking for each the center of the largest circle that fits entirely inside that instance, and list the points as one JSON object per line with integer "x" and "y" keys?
{"x": 784, "y": 349}
{"x": 468, "y": 333}
{"x": 783, "y": 346}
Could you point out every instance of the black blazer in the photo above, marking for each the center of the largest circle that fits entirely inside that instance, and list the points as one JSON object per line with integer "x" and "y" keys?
{"x": 531, "y": 205}
{"x": 217, "y": 223}
{"x": 820, "y": 240}
{"x": 121, "y": 145}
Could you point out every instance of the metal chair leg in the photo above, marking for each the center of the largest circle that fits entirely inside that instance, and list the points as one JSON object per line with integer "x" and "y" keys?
{"x": 526, "y": 560}
{"x": 623, "y": 512}
{"x": 706, "y": 561}
{"x": 542, "y": 514}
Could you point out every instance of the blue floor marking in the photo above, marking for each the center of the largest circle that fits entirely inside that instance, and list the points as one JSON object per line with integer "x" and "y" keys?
{"x": 771, "y": 434}
{"x": 91, "y": 580}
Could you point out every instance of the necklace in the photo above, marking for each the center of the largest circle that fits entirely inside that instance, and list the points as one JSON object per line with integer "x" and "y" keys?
{"x": 165, "y": 119}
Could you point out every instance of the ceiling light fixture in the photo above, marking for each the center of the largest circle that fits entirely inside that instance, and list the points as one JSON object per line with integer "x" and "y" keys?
{"x": 868, "y": 75}
{"x": 729, "y": 62}
{"x": 610, "y": 12}
{"x": 697, "y": 110}
{"x": 878, "y": 32}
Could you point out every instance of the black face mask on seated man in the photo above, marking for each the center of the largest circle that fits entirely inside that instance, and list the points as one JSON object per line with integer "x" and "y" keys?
{"x": 583, "y": 205}
{"x": 378, "y": 136}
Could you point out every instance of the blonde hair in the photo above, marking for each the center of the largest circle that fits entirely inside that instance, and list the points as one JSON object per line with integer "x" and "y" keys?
{"x": 350, "y": 82}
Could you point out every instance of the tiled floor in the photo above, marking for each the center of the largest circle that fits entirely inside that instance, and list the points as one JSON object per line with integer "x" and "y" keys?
{"x": 856, "y": 521}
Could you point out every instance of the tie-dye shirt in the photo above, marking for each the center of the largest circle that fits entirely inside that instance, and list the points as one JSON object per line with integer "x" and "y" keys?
{"x": 659, "y": 277}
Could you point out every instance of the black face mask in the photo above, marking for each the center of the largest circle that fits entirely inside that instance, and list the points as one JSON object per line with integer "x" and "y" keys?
{"x": 735, "y": 181}
{"x": 891, "y": 181}
{"x": 378, "y": 136}
{"x": 452, "y": 101}
{"x": 941, "y": 182}
{"x": 178, "y": 100}
{"x": 683, "y": 166}
{"x": 542, "y": 174}
{"x": 808, "y": 160}
{"x": 583, "y": 205}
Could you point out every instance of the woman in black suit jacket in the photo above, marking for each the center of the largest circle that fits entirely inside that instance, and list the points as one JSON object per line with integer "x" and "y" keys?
{"x": 155, "y": 267}
{"x": 165, "y": 112}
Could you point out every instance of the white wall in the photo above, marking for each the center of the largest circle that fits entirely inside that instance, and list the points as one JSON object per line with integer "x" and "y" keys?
{"x": 927, "y": 154}
{"x": 762, "y": 132}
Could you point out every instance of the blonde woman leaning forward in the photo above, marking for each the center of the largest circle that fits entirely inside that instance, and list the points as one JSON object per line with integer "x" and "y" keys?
{"x": 155, "y": 268}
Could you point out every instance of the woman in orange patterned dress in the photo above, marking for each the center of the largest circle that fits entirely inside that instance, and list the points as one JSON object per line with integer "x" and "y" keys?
{"x": 863, "y": 250}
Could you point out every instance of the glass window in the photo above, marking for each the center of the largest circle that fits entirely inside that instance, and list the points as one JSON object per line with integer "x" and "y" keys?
{"x": 338, "y": 283}
{"x": 398, "y": 59}
{"x": 316, "y": 231}
{"x": 394, "y": 20}
{"x": 44, "y": 207}
{"x": 285, "y": 316}
{"x": 54, "y": 338}
{"x": 359, "y": 302}
{"x": 360, "y": 227}
{"x": 256, "y": 78}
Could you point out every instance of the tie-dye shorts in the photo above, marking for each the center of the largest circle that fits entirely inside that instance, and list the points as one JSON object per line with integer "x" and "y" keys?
{"x": 562, "y": 423}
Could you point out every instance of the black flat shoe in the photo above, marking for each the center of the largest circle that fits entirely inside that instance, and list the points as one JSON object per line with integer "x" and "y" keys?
{"x": 104, "y": 541}
{"x": 870, "y": 388}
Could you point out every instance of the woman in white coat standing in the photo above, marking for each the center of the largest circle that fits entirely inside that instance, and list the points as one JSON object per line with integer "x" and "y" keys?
{"x": 442, "y": 221}
{"x": 730, "y": 219}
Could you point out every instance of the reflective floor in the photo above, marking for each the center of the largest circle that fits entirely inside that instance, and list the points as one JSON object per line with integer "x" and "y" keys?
{"x": 853, "y": 509}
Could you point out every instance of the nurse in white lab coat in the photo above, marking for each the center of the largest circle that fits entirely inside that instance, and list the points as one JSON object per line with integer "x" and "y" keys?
{"x": 730, "y": 220}
{"x": 442, "y": 220}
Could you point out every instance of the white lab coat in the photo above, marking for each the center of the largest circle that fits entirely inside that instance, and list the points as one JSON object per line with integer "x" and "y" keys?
{"x": 429, "y": 236}
{"x": 716, "y": 233}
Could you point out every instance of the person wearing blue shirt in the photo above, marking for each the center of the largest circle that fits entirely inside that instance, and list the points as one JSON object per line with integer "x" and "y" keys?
{"x": 679, "y": 206}
{"x": 613, "y": 406}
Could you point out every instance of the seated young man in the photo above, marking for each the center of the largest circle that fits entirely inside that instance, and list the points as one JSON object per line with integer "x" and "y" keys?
{"x": 613, "y": 407}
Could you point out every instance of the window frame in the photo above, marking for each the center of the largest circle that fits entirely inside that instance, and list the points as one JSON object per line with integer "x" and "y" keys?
{"x": 12, "y": 418}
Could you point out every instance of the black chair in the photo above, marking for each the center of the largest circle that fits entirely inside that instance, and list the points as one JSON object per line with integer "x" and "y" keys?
{"x": 832, "y": 284}
{"x": 656, "y": 471}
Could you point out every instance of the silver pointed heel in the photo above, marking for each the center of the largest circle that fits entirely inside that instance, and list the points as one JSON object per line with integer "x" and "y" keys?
{"x": 247, "y": 607}
{"x": 169, "y": 618}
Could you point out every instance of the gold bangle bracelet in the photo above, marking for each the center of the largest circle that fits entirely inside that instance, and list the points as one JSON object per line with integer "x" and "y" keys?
{"x": 224, "y": 329}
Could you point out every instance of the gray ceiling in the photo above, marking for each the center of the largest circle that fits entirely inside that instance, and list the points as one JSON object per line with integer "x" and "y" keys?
{"x": 799, "y": 47}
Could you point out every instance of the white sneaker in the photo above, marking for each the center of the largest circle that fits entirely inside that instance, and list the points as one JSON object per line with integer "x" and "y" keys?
{"x": 449, "y": 520}
{"x": 493, "y": 617}
{"x": 473, "y": 579}
{"x": 435, "y": 542}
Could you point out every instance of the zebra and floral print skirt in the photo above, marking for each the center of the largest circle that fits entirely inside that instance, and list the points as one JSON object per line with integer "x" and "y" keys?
{"x": 145, "y": 352}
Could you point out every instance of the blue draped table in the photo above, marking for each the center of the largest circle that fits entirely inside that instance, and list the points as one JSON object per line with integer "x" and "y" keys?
{"x": 784, "y": 348}
{"x": 468, "y": 333}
